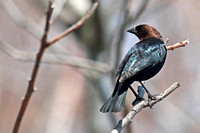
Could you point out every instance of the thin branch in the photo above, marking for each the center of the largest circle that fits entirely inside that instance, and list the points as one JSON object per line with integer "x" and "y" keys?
{"x": 61, "y": 59}
{"x": 46, "y": 29}
{"x": 30, "y": 88}
{"x": 51, "y": 58}
{"x": 76, "y": 25}
{"x": 44, "y": 45}
{"x": 27, "y": 23}
{"x": 177, "y": 45}
{"x": 143, "y": 104}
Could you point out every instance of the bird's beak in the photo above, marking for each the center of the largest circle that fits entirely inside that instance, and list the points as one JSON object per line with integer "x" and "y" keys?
{"x": 132, "y": 30}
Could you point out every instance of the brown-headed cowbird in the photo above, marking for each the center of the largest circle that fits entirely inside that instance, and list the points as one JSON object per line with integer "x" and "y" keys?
{"x": 143, "y": 61}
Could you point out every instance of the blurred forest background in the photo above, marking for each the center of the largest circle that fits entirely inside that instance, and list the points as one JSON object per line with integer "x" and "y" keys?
{"x": 77, "y": 73}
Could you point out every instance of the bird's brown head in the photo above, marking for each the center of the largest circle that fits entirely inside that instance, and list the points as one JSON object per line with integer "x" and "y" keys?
{"x": 145, "y": 31}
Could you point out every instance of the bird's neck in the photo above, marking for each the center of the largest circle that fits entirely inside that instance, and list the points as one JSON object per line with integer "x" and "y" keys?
{"x": 152, "y": 36}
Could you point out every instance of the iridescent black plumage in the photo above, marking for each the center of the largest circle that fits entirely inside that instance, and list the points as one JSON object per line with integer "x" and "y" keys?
{"x": 143, "y": 61}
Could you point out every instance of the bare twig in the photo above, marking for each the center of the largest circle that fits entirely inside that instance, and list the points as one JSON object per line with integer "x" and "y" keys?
{"x": 29, "y": 24}
{"x": 31, "y": 84}
{"x": 177, "y": 45}
{"x": 61, "y": 59}
{"x": 143, "y": 104}
{"x": 76, "y": 25}
{"x": 166, "y": 41}
{"x": 44, "y": 45}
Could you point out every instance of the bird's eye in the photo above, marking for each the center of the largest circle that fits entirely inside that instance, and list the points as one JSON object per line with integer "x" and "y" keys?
{"x": 140, "y": 29}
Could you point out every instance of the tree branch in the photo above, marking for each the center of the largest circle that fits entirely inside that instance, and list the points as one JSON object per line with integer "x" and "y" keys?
{"x": 31, "y": 84}
{"x": 142, "y": 104}
{"x": 61, "y": 59}
{"x": 44, "y": 45}
{"x": 177, "y": 45}
{"x": 76, "y": 25}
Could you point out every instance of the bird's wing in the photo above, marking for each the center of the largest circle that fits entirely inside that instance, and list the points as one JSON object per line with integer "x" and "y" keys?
{"x": 141, "y": 60}
{"x": 123, "y": 63}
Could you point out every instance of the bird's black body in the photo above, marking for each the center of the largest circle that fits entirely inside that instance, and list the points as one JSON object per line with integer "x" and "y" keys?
{"x": 143, "y": 61}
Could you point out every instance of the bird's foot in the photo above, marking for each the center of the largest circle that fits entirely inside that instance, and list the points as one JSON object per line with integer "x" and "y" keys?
{"x": 150, "y": 98}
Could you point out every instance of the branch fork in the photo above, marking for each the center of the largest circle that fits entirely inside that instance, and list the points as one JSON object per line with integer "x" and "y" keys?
{"x": 44, "y": 45}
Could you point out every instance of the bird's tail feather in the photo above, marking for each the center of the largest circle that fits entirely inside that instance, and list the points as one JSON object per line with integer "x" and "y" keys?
{"x": 115, "y": 103}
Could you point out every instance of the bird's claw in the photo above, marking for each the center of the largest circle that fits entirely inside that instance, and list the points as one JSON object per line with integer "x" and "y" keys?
{"x": 150, "y": 98}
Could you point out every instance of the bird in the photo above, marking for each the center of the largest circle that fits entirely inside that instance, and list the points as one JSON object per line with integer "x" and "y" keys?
{"x": 142, "y": 62}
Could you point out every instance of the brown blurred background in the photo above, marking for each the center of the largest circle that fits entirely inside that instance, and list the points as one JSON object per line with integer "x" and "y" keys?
{"x": 71, "y": 90}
